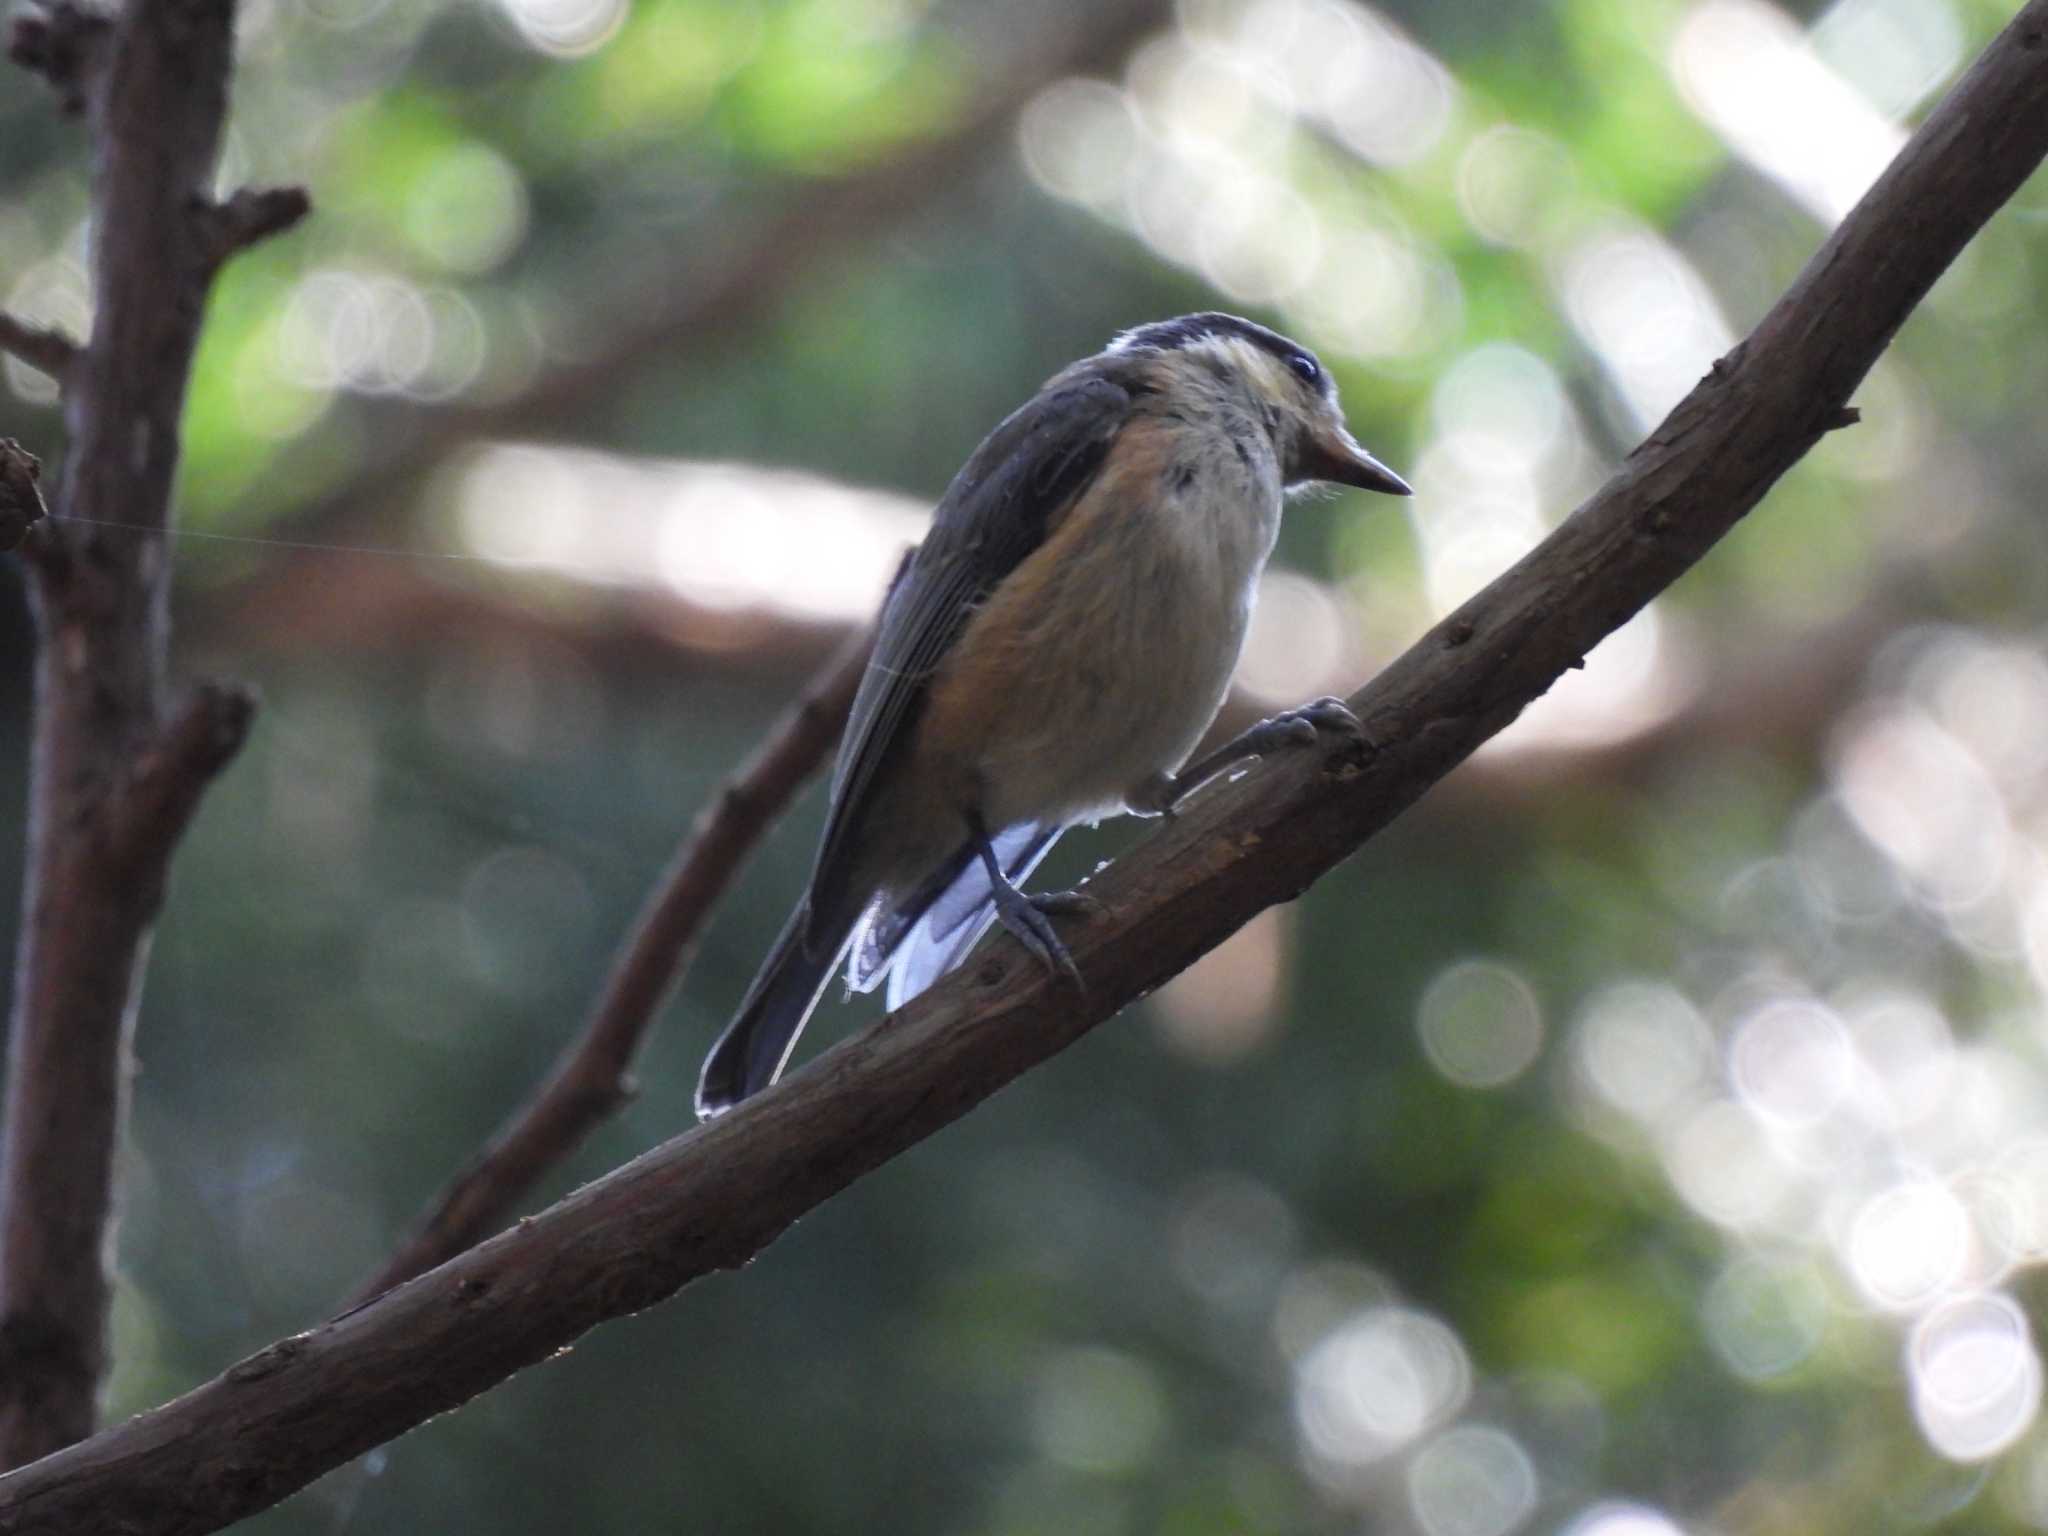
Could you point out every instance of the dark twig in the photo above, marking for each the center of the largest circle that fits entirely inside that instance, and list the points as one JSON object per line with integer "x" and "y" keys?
{"x": 249, "y": 217}
{"x": 715, "y": 1196}
{"x": 592, "y": 1079}
{"x": 65, "y": 43}
{"x": 43, "y": 347}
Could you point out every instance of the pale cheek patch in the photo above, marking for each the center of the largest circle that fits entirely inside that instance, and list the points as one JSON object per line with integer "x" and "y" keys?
{"x": 1255, "y": 365}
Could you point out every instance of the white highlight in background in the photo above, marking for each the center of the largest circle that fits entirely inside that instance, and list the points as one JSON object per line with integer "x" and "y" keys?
{"x": 1746, "y": 68}
{"x": 1643, "y": 1048}
{"x": 1378, "y": 1383}
{"x": 1621, "y": 1520}
{"x": 1480, "y": 1023}
{"x": 1640, "y": 305}
{"x": 1976, "y": 1377}
{"x": 1895, "y": 52}
{"x": 1908, "y": 1244}
{"x": 723, "y": 535}
{"x": 1472, "y": 1480}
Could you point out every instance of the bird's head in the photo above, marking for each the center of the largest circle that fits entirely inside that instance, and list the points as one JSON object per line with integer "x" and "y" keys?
{"x": 1293, "y": 393}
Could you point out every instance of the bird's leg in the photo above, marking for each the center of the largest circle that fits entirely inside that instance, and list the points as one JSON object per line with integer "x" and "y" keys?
{"x": 1029, "y": 917}
{"x": 1163, "y": 792}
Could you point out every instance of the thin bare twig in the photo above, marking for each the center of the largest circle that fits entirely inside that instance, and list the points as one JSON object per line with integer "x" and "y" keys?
{"x": 715, "y": 1196}
{"x": 249, "y": 217}
{"x": 593, "y": 1077}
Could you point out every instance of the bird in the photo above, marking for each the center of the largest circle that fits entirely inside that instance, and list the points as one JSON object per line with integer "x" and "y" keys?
{"x": 1049, "y": 656}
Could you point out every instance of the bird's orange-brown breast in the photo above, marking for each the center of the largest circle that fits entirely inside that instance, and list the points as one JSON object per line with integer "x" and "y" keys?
{"x": 990, "y": 674}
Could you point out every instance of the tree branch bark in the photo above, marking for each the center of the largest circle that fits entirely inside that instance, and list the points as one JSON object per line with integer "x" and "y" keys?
{"x": 715, "y": 1196}
{"x": 593, "y": 1078}
{"x": 115, "y": 773}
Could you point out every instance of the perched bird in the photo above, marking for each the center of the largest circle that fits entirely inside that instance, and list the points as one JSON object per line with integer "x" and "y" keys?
{"x": 1050, "y": 655}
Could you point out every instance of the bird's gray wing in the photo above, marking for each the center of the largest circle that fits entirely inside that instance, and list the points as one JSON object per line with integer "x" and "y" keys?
{"x": 999, "y": 509}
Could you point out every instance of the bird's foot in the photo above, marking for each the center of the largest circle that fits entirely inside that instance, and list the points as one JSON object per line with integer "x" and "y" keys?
{"x": 1302, "y": 727}
{"x": 1162, "y": 794}
{"x": 1029, "y": 918}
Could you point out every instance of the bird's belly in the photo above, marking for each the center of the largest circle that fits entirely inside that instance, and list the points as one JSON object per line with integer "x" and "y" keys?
{"x": 1091, "y": 698}
{"x": 1101, "y": 659}
{"x": 1130, "y": 699}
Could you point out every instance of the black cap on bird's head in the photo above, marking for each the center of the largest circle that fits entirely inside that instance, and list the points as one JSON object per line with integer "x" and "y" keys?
{"x": 1324, "y": 449}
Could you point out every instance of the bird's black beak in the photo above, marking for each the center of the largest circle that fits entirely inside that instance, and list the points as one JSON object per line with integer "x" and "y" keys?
{"x": 1339, "y": 460}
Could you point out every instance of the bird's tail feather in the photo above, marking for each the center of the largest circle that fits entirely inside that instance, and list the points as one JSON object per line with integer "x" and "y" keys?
{"x": 913, "y": 946}
{"x": 749, "y": 1055}
{"x": 962, "y": 911}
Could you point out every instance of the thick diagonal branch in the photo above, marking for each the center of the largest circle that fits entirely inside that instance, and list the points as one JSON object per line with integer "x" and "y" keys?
{"x": 593, "y": 1078}
{"x": 716, "y": 1196}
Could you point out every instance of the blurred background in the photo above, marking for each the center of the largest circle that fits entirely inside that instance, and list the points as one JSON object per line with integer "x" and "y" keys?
{"x": 1648, "y": 1134}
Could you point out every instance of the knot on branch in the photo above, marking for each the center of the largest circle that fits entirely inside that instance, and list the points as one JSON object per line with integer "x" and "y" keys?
{"x": 270, "y": 1360}
{"x": 64, "y": 43}
{"x": 249, "y": 217}
{"x": 206, "y": 732}
{"x": 21, "y": 503}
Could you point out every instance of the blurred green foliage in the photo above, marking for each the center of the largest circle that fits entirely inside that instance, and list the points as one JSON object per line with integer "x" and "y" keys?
{"x": 1674, "y": 1217}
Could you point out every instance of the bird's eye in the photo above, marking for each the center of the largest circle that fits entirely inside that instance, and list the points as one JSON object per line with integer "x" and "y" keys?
{"x": 1306, "y": 366}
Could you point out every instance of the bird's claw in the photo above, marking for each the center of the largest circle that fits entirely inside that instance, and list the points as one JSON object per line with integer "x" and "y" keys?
{"x": 1159, "y": 795}
{"x": 1029, "y": 920}
{"x": 1068, "y": 904}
